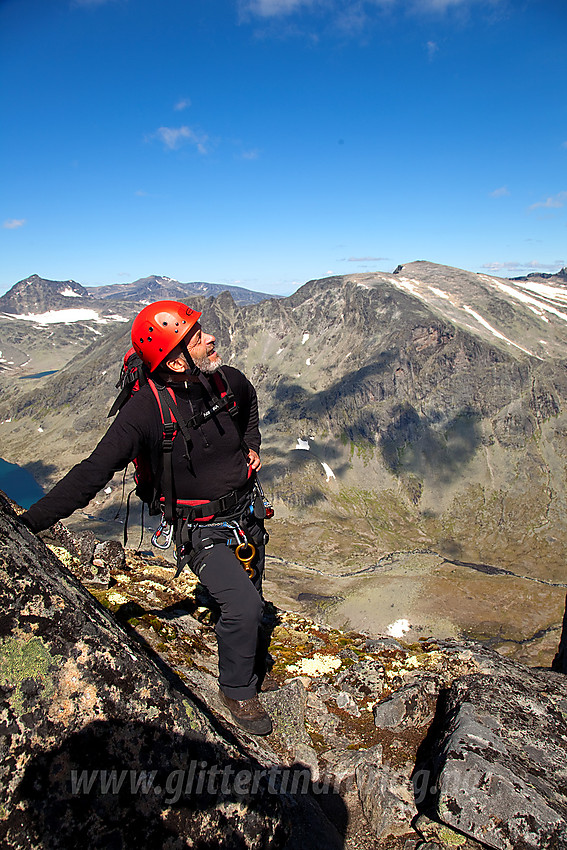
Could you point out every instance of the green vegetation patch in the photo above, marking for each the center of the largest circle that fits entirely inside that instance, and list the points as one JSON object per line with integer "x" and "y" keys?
{"x": 23, "y": 660}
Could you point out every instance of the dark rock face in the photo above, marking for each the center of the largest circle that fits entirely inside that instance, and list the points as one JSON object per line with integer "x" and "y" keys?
{"x": 500, "y": 759}
{"x": 560, "y": 661}
{"x": 100, "y": 748}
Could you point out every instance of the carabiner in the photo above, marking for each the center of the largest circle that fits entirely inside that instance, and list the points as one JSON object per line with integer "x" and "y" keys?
{"x": 163, "y": 535}
{"x": 246, "y": 557}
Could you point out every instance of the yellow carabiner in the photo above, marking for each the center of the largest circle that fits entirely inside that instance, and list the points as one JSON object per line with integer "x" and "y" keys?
{"x": 246, "y": 559}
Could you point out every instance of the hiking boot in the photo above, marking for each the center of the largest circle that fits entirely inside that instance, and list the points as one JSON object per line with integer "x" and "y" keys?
{"x": 249, "y": 714}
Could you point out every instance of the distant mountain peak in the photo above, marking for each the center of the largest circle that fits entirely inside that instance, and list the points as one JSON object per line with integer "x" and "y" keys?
{"x": 36, "y": 294}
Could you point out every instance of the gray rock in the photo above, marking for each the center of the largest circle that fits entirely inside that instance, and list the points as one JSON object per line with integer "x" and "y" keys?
{"x": 500, "y": 759}
{"x": 386, "y": 796}
{"x": 90, "y": 560}
{"x": 341, "y": 765}
{"x": 346, "y": 702}
{"x": 85, "y": 543}
{"x": 363, "y": 679}
{"x": 100, "y": 748}
{"x": 378, "y": 644}
{"x": 412, "y": 705}
{"x": 439, "y": 835}
{"x": 111, "y": 553}
{"x": 287, "y": 709}
{"x": 183, "y": 621}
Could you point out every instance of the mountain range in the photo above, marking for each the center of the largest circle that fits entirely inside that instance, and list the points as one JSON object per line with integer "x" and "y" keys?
{"x": 414, "y": 436}
{"x": 36, "y": 295}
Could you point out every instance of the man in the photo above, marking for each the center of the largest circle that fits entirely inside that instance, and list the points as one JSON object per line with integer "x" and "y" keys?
{"x": 214, "y": 458}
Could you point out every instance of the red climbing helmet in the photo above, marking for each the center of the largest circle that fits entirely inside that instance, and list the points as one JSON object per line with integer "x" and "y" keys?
{"x": 159, "y": 327}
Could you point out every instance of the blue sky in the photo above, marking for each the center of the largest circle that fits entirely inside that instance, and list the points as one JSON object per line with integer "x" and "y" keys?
{"x": 267, "y": 142}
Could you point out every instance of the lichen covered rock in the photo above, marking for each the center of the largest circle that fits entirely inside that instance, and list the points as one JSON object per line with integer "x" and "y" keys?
{"x": 99, "y": 747}
{"x": 500, "y": 759}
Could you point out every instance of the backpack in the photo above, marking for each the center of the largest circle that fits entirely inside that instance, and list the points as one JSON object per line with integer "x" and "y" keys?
{"x": 154, "y": 476}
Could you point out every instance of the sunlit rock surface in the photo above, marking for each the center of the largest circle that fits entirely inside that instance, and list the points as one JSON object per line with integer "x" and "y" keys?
{"x": 114, "y": 734}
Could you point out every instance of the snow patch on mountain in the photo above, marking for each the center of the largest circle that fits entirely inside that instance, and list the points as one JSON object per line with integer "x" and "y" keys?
{"x": 328, "y": 471}
{"x": 53, "y": 317}
{"x": 398, "y": 628}
{"x": 439, "y": 293}
{"x": 303, "y": 445}
{"x": 494, "y": 332}
{"x": 530, "y": 300}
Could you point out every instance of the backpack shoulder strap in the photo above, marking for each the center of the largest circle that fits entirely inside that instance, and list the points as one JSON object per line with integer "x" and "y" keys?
{"x": 170, "y": 423}
{"x": 225, "y": 391}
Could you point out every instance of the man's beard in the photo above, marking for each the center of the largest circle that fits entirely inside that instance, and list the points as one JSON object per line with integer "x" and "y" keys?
{"x": 206, "y": 366}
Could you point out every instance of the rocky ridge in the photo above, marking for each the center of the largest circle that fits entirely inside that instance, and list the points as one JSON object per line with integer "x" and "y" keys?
{"x": 158, "y": 288}
{"x": 377, "y": 742}
{"x": 37, "y": 295}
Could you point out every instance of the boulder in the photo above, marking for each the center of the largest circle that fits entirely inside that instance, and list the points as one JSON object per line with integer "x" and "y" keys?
{"x": 287, "y": 710}
{"x": 363, "y": 679}
{"x": 89, "y": 560}
{"x": 102, "y": 745}
{"x": 413, "y": 705}
{"x": 387, "y": 797}
{"x": 109, "y": 553}
{"x": 499, "y": 758}
{"x": 341, "y": 765}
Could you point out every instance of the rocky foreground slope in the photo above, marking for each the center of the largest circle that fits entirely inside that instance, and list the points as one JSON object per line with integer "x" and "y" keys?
{"x": 113, "y": 735}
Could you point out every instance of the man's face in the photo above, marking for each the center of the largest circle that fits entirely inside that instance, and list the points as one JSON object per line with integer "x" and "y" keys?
{"x": 201, "y": 347}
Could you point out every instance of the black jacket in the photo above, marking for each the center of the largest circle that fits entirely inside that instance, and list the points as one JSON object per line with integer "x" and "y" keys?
{"x": 216, "y": 464}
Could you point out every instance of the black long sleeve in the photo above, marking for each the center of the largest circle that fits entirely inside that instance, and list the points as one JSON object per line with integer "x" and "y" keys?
{"x": 215, "y": 466}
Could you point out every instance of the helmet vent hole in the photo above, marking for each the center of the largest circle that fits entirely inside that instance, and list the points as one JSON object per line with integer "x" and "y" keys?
{"x": 164, "y": 324}
{"x": 151, "y": 330}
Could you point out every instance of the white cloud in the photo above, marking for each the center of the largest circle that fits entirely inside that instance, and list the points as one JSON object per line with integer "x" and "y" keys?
{"x": 182, "y": 104}
{"x": 432, "y": 48}
{"x": 174, "y": 137}
{"x": 366, "y": 259}
{"x": 274, "y": 8}
{"x": 500, "y": 193}
{"x": 254, "y": 153}
{"x": 517, "y": 268}
{"x": 14, "y": 223}
{"x": 444, "y": 5}
{"x": 553, "y": 202}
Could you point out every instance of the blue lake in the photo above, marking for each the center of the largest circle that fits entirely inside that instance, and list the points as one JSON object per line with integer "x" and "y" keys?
{"x": 38, "y": 375}
{"x": 18, "y": 484}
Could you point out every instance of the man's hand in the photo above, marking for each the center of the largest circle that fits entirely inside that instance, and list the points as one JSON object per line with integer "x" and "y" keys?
{"x": 254, "y": 460}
